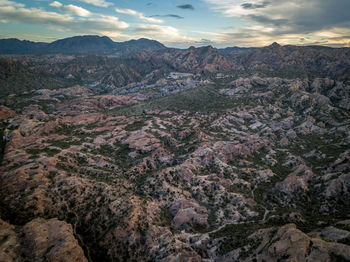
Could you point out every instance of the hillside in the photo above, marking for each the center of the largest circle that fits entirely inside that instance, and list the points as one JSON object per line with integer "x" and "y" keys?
{"x": 79, "y": 45}
{"x": 15, "y": 46}
{"x": 17, "y": 78}
{"x": 176, "y": 155}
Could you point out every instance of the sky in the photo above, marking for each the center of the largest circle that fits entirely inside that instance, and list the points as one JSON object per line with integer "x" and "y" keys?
{"x": 182, "y": 23}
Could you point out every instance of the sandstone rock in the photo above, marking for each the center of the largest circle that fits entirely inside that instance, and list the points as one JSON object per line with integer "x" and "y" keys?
{"x": 111, "y": 102}
{"x": 291, "y": 134}
{"x": 330, "y": 234}
{"x": 142, "y": 140}
{"x": 9, "y": 243}
{"x": 284, "y": 142}
{"x": 40, "y": 240}
{"x": 52, "y": 240}
{"x": 189, "y": 256}
{"x": 293, "y": 245}
{"x": 338, "y": 186}
{"x": 34, "y": 112}
{"x": 6, "y": 112}
{"x": 296, "y": 183}
{"x": 185, "y": 211}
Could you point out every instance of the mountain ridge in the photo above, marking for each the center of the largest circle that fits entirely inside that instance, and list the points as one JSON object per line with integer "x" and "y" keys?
{"x": 103, "y": 45}
{"x": 78, "y": 45}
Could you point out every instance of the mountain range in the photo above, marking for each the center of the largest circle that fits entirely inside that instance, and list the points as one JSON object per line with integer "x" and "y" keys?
{"x": 273, "y": 59}
{"x": 78, "y": 45}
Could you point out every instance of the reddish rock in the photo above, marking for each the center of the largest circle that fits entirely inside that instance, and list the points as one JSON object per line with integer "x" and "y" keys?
{"x": 6, "y": 112}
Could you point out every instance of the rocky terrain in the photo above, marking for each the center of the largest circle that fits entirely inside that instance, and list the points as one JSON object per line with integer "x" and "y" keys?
{"x": 177, "y": 155}
{"x": 39, "y": 240}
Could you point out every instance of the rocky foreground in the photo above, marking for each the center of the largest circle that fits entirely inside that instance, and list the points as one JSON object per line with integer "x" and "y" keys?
{"x": 178, "y": 167}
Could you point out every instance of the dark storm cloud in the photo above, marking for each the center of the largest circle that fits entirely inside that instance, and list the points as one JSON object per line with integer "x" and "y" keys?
{"x": 292, "y": 16}
{"x": 187, "y": 6}
{"x": 168, "y": 15}
{"x": 255, "y": 6}
{"x": 304, "y": 22}
{"x": 324, "y": 14}
{"x": 174, "y": 16}
{"x": 308, "y": 16}
{"x": 268, "y": 21}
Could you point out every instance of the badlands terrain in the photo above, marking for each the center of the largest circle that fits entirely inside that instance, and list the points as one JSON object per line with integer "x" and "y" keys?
{"x": 137, "y": 152}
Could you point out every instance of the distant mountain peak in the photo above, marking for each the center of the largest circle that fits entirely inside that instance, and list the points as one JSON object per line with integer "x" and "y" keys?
{"x": 275, "y": 45}
{"x": 208, "y": 47}
{"x": 85, "y": 38}
{"x": 202, "y": 48}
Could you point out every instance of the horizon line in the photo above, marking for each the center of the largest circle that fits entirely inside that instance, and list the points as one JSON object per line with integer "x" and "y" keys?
{"x": 189, "y": 45}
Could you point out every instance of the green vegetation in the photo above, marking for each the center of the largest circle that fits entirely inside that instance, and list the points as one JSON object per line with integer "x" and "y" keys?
{"x": 235, "y": 236}
{"x": 64, "y": 144}
{"x": 48, "y": 151}
{"x": 16, "y": 78}
{"x": 329, "y": 145}
{"x": 137, "y": 125}
{"x": 76, "y": 135}
{"x": 205, "y": 99}
{"x": 119, "y": 153}
{"x": 166, "y": 217}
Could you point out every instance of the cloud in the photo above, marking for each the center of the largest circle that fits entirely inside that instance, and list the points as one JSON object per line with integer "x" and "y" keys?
{"x": 187, "y": 6}
{"x": 10, "y": 3}
{"x": 168, "y": 15}
{"x": 79, "y": 11}
{"x": 56, "y": 4}
{"x": 263, "y": 36}
{"x": 158, "y": 30}
{"x": 101, "y": 23}
{"x": 139, "y": 15}
{"x": 286, "y": 20}
{"x": 268, "y": 21}
{"x": 32, "y": 16}
{"x": 255, "y": 6}
{"x": 94, "y": 24}
{"x": 293, "y": 15}
{"x": 100, "y": 3}
{"x": 166, "y": 34}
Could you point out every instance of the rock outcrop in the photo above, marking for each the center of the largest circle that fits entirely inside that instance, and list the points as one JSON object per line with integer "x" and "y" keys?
{"x": 39, "y": 240}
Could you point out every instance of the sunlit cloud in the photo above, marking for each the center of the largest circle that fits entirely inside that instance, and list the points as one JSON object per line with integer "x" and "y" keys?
{"x": 77, "y": 10}
{"x": 100, "y": 3}
{"x": 162, "y": 31}
{"x": 32, "y": 16}
{"x": 262, "y": 36}
{"x": 139, "y": 15}
{"x": 167, "y": 34}
{"x": 10, "y": 3}
{"x": 94, "y": 23}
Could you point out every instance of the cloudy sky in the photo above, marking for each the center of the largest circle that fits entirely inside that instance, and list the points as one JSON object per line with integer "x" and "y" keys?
{"x": 182, "y": 23}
